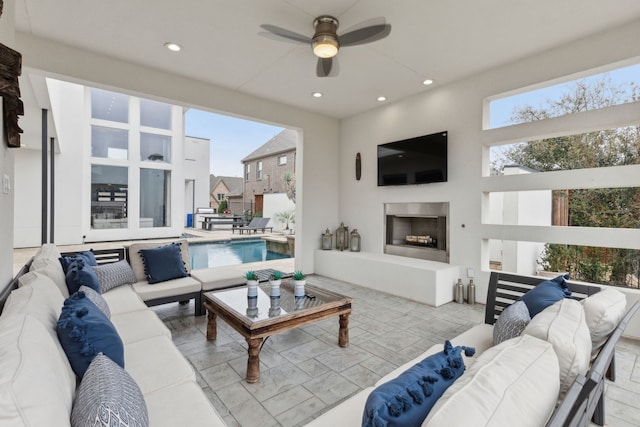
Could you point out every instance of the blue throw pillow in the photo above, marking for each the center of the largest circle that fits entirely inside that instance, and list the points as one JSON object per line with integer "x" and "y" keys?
{"x": 545, "y": 294}
{"x": 407, "y": 399}
{"x": 79, "y": 274}
{"x": 87, "y": 256}
{"x": 84, "y": 331}
{"x": 163, "y": 263}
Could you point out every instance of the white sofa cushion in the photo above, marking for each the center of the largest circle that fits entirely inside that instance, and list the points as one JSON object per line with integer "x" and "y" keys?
{"x": 181, "y": 405}
{"x": 155, "y": 363}
{"x": 184, "y": 285}
{"x": 123, "y": 299}
{"x": 513, "y": 383}
{"x": 603, "y": 311}
{"x": 220, "y": 277}
{"x": 46, "y": 261}
{"x": 35, "y": 388}
{"x": 139, "y": 325}
{"x": 563, "y": 324}
{"x": 37, "y": 296}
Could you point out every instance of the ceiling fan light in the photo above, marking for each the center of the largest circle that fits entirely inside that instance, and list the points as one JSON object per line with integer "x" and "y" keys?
{"x": 325, "y": 46}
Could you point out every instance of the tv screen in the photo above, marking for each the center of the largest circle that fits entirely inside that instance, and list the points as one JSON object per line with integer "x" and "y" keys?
{"x": 417, "y": 160}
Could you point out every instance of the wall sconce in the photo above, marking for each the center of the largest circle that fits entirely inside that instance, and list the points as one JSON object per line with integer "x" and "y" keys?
{"x": 342, "y": 237}
{"x": 354, "y": 241}
{"x": 327, "y": 240}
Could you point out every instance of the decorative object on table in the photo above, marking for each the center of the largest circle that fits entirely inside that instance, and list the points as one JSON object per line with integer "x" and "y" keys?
{"x": 342, "y": 237}
{"x": 299, "y": 280}
{"x": 354, "y": 241}
{"x": 252, "y": 284}
{"x": 327, "y": 240}
{"x": 275, "y": 280}
{"x": 358, "y": 167}
{"x": 471, "y": 292}
{"x": 274, "y": 308}
{"x": 459, "y": 292}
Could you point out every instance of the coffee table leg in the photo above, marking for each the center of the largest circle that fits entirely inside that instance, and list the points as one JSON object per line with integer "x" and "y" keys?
{"x": 212, "y": 330}
{"x": 343, "y": 333}
{"x": 253, "y": 363}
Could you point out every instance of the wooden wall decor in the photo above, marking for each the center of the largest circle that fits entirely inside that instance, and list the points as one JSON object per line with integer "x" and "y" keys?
{"x": 10, "y": 69}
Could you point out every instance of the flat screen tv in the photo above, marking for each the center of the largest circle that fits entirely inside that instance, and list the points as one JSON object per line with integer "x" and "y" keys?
{"x": 418, "y": 160}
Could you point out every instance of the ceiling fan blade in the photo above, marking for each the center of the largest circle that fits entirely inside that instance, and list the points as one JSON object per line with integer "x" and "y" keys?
{"x": 284, "y": 33}
{"x": 327, "y": 67}
{"x": 365, "y": 35}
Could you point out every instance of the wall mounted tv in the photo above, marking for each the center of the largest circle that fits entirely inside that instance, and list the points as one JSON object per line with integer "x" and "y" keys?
{"x": 418, "y": 160}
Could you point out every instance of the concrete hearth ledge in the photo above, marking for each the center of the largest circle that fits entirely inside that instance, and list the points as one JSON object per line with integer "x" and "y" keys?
{"x": 428, "y": 282}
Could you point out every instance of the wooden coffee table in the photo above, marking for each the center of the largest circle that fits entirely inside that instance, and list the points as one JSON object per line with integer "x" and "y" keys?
{"x": 256, "y": 324}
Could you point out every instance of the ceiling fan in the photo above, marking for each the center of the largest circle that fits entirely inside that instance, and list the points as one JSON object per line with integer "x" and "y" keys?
{"x": 326, "y": 42}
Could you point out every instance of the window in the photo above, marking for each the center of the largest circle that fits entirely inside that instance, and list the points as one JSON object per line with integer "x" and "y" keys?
{"x": 109, "y": 143}
{"x": 259, "y": 171}
{"x": 109, "y": 196}
{"x": 247, "y": 172}
{"x": 155, "y": 198}
{"x": 110, "y": 106}
{"x": 156, "y": 148}
{"x": 220, "y": 196}
{"x": 282, "y": 160}
{"x": 155, "y": 114}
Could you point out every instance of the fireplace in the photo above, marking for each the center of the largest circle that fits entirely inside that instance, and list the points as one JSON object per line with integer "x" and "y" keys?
{"x": 417, "y": 230}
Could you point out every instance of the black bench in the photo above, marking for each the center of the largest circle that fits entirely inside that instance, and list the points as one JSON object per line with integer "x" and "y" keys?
{"x": 584, "y": 400}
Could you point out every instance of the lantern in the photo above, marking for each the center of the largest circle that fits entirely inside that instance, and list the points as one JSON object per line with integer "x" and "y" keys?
{"x": 327, "y": 240}
{"x": 354, "y": 241}
{"x": 342, "y": 237}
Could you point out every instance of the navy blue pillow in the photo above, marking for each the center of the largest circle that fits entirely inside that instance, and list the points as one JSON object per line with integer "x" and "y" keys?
{"x": 79, "y": 274}
{"x": 407, "y": 399}
{"x": 163, "y": 263}
{"x": 84, "y": 331}
{"x": 545, "y": 294}
{"x": 87, "y": 256}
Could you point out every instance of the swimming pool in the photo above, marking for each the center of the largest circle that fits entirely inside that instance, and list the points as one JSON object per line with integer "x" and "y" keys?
{"x": 230, "y": 252}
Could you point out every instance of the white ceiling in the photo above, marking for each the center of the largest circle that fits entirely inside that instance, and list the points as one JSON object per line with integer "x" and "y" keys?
{"x": 444, "y": 40}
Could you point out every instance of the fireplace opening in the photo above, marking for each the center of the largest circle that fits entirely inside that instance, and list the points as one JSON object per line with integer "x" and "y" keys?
{"x": 418, "y": 230}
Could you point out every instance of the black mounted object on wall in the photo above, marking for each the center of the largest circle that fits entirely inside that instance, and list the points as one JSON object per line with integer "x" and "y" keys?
{"x": 358, "y": 167}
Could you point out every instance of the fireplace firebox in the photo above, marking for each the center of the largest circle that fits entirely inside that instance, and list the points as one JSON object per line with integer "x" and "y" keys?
{"x": 417, "y": 230}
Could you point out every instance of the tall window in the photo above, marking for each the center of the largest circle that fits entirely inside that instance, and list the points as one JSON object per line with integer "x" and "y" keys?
{"x": 109, "y": 196}
{"x": 109, "y": 143}
{"x": 259, "y": 170}
{"x": 155, "y": 148}
{"x": 110, "y": 106}
{"x": 247, "y": 172}
{"x": 282, "y": 160}
{"x": 155, "y": 198}
{"x": 155, "y": 114}
{"x": 220, "y": 196}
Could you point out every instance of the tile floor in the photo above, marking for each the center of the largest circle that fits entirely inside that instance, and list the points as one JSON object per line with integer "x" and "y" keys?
{"x": 304, "y": 372}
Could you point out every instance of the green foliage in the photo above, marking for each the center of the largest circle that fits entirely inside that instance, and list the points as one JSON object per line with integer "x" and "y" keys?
{"x": 289, "y": 181}
{"x": 298, "y": 275}
{"x": 251, "y": 275}
{"x": 276, "y": 275}
{"x": 223, "y": 205}
{"x": 286, "y": 217}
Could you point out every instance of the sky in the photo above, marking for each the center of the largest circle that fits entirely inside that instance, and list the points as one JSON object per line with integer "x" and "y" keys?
{"x": 231, "y": 139}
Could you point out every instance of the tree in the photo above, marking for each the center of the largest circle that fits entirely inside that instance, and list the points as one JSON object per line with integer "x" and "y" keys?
{"x": 222, "y": 206}
{"x": 289, "y": 181}
{"x": 600, "y": 207}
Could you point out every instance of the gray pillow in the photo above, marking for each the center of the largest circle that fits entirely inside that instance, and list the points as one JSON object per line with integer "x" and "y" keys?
{"x": 114, "y": 274}
{"x": 97, "y": 299}
{"x": 108, "y": 396}
{"x": 511, "y": 322}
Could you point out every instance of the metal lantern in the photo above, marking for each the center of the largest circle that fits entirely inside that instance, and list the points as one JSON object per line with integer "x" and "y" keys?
{"x": 342, "y": 237}
{"x": 354, "y": 241}
{"x": 327, "y": 240}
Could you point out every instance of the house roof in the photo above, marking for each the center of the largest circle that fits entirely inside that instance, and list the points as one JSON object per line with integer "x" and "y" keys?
{"x": 234, "y": 184}
{"x": 281, "y": 143}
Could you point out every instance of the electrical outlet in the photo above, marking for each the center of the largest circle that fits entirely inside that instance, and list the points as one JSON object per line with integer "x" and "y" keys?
{"x": 470, "y": 273}
{"x": 6, "y": 184}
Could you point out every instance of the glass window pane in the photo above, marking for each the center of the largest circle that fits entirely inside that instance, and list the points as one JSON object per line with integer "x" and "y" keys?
{"x": 109, "y": 143}
{"x": 155, "y": 148}
{"x": 109, "y": 195}
{"x": 155, "y": 114}
{"x": 107, "y": 105}
{"x": 155, "y": 197}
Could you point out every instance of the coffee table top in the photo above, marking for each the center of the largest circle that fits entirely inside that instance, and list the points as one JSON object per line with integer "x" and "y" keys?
{"x": 234, "y": 302}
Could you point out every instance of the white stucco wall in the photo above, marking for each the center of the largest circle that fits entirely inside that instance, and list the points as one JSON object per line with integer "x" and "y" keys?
{"x": 274, "y": 203}
{"x": 196, "y": 168}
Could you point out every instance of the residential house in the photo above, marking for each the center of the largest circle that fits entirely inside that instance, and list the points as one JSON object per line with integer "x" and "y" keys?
{"x": 265, "y": 167}
{"x": 227, "y": 188}
{"x": 472, "y": 53}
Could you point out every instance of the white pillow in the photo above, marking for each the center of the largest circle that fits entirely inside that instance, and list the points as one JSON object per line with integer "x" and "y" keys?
{"x": 603, "y": 311}
{"x": 512, "y": 384}
{"x": 563, "y": 324}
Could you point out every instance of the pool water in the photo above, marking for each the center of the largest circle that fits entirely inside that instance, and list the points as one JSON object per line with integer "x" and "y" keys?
{"x": 230, "y": 252}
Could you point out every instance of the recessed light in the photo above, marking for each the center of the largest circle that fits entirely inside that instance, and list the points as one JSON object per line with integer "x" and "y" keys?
{"x": 174, "y": 47}
{"x": 317, "y": 94}
{"x": 382, "y": 98}
{"x": 427, "y": 82}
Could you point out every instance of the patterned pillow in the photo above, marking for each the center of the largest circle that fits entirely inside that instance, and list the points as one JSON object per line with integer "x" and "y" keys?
{"x": 511, "y": 322}
{"x": 97, "y": 299}
{"x": 108, "y": 396}
{"x": 114, "y": 274}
